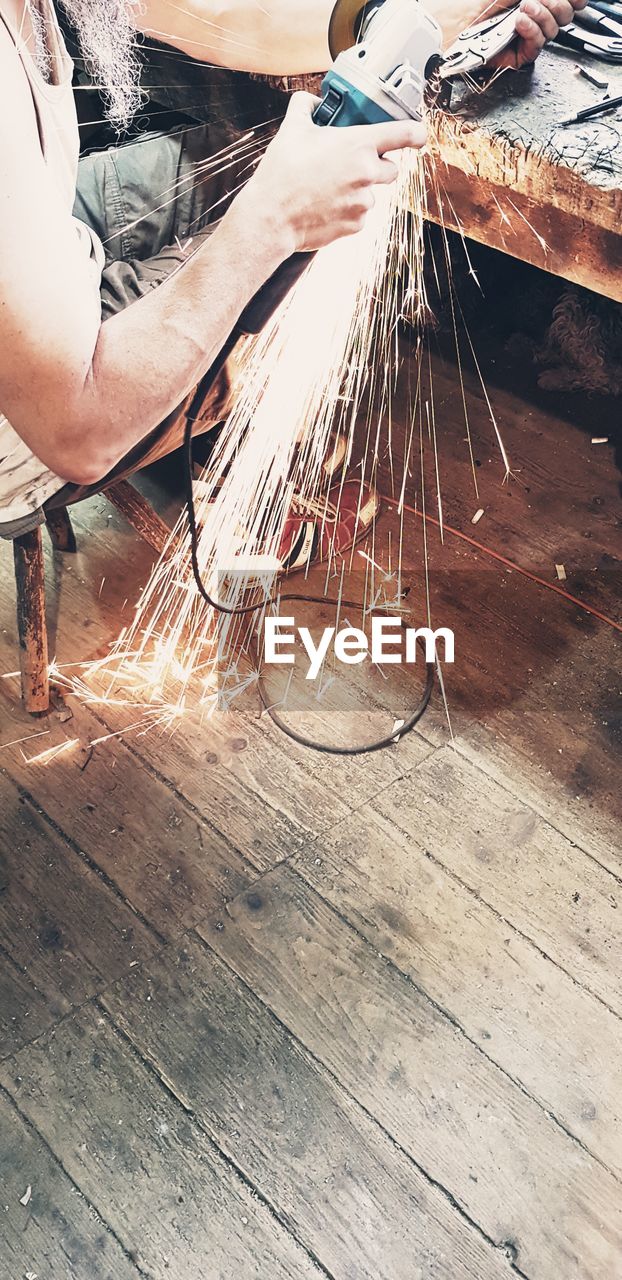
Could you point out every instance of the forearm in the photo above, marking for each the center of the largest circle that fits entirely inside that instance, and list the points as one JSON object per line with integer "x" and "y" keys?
{"x": 148, "y": 357}
{"x": 276, "y": 37}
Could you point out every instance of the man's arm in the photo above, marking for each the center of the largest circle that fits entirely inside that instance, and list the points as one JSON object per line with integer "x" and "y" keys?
{"x": 290, "y": 37}
{"x": 82, "y": 394}
{"x": 274, "y": 37}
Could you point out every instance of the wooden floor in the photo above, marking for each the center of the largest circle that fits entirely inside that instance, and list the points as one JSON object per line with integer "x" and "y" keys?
{"x": 270, "y": 1014}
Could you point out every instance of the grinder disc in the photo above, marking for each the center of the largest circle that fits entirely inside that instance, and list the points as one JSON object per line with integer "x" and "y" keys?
{"x": 347, "y": 18}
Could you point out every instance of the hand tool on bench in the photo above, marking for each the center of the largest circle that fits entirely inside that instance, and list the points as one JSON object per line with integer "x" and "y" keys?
{"x": 611, "y": 10}
{"x": 479, "y": 44}
{"x": 596, "y": 109}
{"x": 595, "y": 20}
{"x": 606, "y": 48}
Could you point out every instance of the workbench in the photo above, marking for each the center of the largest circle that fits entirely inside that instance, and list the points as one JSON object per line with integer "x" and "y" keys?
{"x": 517, "y": 181}
{"x": 510, "y": 176}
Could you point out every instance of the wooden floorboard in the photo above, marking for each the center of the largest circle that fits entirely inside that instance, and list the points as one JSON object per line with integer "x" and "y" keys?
{"x": 533, "y": 877}
{"x": 48, "y": 1227}
{"x": 25, "y": 1011}
{"x": 66, "y": 932}
{"x": 534, "y": 694}
{"x": 359, "y": 1205}
{"x": 461, "y": 1119}
{"x": 144, "y": 1164}
{"x": 560, "y": 503}
{"x": 164, "y": 857}
{"x": 525, "y": 1013}
{"x": 358, "y": 1018}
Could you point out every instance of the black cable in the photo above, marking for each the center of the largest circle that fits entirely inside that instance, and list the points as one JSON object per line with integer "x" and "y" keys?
{"x": 243, "y": 610}
{"x": 366, "y": 748}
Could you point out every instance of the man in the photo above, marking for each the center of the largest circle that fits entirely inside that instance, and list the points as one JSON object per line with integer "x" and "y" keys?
{"x": 90, "y": 386}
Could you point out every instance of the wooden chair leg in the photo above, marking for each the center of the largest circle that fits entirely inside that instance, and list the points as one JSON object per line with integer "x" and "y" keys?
{"x": 139, "y": 513}
{"x": 60, "y": 530}
{"x": 31, "y": 625}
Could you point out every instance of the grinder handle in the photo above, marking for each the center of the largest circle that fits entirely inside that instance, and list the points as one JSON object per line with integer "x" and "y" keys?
{"x": 265, "y": 302}
{"x": 277, "y": 288}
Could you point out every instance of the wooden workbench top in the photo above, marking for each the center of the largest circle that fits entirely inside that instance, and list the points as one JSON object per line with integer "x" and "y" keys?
{"x": 515, "y": 179}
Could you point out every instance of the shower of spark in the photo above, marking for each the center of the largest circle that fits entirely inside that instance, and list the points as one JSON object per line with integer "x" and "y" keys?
{"x": 332, "y": 342}
{"x": 329, "y": 352}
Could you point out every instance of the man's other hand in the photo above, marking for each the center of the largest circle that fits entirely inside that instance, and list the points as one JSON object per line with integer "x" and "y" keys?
{"x": 537, "y": 22}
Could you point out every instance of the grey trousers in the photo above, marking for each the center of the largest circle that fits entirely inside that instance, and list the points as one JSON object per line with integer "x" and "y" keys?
{"x": 151, "y": 202}
{"x": 147, "y": 199}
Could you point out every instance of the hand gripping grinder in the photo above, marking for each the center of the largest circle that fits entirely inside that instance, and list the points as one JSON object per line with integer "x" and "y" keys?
{"x": 384, "y": 54}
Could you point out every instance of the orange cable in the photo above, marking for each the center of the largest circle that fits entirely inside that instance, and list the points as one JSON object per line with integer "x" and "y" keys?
{"x": 510, "y": 564}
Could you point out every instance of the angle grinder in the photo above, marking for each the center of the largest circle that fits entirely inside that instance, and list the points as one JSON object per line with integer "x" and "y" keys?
{"x": 384, "y": 52}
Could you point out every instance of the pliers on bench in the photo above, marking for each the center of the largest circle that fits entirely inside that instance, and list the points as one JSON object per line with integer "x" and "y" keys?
{"x": 594, "y": 33}
{"x": 606, "y": 48}
{"x": 476, "y": 46}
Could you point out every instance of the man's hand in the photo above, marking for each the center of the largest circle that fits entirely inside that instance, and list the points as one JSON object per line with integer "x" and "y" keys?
{"x": 537, "y": 22}
{"x": 319, "y": 182}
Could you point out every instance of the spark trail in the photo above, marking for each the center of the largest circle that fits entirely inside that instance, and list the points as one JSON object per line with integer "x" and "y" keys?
{"x": 327, "y": 359}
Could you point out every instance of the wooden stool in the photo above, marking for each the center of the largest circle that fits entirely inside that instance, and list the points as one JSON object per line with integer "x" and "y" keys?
{"x": 30, "y": 582}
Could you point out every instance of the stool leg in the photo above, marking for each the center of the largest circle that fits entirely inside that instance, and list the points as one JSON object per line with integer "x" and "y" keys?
{"x": 139, "y": 513}
{"x": 60, "y": 530}
{"x": 31, "y": 625}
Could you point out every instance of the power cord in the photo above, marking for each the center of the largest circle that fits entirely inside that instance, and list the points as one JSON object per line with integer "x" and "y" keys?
{"x": 244, "y": 610}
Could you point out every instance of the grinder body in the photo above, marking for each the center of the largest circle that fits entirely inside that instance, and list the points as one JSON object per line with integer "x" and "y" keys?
{"x": 381, "y": 77}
